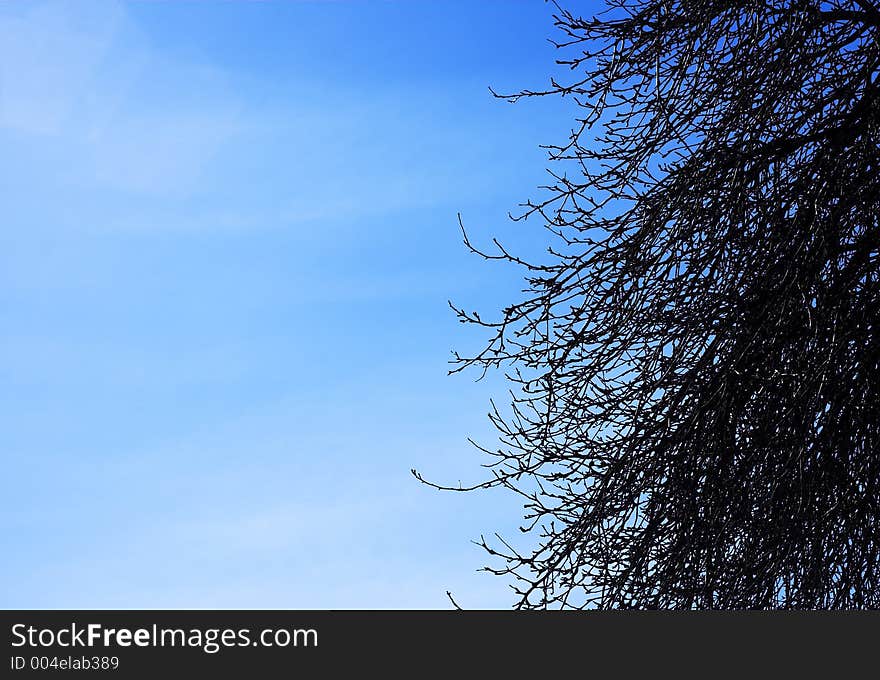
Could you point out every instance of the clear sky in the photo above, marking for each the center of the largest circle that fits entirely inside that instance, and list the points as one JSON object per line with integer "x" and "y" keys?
{"x": 229, "y": 234}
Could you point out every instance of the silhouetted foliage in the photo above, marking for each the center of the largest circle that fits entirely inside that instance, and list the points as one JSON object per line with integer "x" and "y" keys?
{"x": 695, "y": 419}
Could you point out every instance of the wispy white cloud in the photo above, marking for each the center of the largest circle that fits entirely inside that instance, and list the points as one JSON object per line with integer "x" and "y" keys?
{"x": 101, "y": 109}
{"x": 96, "y": 102}
{"x": 49, "y": 56}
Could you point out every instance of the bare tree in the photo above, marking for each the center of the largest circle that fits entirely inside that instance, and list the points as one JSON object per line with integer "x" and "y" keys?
{"x": 695, "y": 366}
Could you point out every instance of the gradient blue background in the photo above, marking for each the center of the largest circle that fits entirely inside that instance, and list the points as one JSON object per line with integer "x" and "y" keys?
{"x": 229, "y": 235}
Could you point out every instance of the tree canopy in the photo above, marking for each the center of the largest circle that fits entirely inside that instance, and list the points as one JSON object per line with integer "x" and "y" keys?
{"x": 695, "y": 363}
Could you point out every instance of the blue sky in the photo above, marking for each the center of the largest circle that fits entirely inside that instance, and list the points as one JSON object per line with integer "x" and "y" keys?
{"x": 229, "y": 237}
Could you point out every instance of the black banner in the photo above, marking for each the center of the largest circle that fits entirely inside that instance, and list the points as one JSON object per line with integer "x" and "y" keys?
{"x": 134, "y": 644}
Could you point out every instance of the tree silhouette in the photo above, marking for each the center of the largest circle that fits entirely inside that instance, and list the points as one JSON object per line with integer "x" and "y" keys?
{"x": 695, "y": 365}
